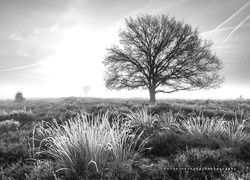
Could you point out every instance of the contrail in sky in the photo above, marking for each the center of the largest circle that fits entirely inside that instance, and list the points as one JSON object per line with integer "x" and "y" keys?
{"x": 243, "y": 7}
{"x": 237, "y": 27}
{"x": 223, "y": 29}
{"x": 20, "y": 67}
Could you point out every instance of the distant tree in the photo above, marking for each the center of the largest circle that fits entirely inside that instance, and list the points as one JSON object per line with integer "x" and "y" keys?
{"x": 86, "y": 90}
{"x": 19, "y": 97}
{"x": 240, "y": 98}
{"x": 161, "y": 54}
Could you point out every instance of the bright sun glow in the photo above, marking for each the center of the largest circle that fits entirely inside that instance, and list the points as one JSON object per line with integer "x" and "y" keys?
{"x": 77, "y": 61}
{"x": 73, "y": 54}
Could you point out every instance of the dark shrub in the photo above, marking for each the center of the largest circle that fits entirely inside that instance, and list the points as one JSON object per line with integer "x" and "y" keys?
{"x": 165, "y": 143}
{"x": 203, "y": 157}
{"x": 8, "y": 125}
{"x": 14, "y": 146}
{"x": 22, "y": 116}
{"x": 244, "y": 152}
{"x": 13, "y": 152}
{"x": 17, "y": 170}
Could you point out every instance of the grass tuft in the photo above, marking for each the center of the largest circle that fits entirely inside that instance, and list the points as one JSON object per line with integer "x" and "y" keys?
{"x": 87, "y": 143}
{"x": 201, "y": 129}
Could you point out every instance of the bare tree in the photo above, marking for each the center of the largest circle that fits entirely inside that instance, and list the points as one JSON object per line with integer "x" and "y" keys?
{"x": 162, "y": 55}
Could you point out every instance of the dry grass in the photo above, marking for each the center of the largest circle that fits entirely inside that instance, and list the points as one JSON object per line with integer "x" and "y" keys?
{"x": 201, "y": 129}
{"x": 141, "y": 118}
{"x": 87, "y": 143}
{"x": 228, "y": 134}
{"x": 233, "y": 134}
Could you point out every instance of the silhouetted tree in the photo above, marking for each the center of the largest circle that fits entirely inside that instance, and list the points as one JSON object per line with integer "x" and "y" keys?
{"x": 19, "y": 97}
{"x": 161, "y": 54}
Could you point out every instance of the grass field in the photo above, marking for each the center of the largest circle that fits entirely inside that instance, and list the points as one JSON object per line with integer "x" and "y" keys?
{"x": 91, "y": 138}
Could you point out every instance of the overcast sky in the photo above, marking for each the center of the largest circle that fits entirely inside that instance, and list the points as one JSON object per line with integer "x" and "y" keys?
{"x": 55, "y": 48}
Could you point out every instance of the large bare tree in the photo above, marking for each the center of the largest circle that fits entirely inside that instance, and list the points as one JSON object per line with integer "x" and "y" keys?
{"x": 161, "y": 54}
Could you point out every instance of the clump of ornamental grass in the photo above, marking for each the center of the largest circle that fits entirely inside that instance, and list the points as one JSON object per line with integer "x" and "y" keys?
{"x": 233, "y": 134}
{"x": 143, "y": 123}
{"x": 141, "y": 118}
{"x": 211, "y": 131}
{"x": 87, "y": 143}
{"x": 201, "y": 129}
{"x": 124, "y": 143}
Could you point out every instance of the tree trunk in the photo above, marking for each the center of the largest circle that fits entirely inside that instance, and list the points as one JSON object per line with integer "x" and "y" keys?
{"x": 152, "y": 95}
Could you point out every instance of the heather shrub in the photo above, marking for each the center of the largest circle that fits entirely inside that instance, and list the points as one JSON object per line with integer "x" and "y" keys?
{"x": 22, "y": 116}
{"x": 241, "y": 175}
{"x": 18, "y": 170}
{"x": 13, "y": 151}
{"x": 14, "y": 145}
{"x": 165, "y": 143}
{"x": 160, "y": 108}
{"x": 211, "y": 161}
{"x": 244, "y": 152}
{"x": 154, "y": 169}
{"x": 42, "y": 169}
{"x": 8, "y": 125}
{"x": 123, "y": 171}
{"x": 203, "y": 157}
{"x": 15, "y": 136}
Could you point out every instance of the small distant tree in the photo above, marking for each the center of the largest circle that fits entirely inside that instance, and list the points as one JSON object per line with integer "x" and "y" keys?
{"x": 19, "y": 97}
{"x": 86, "y": 90}
{"x": 162, "y": 55}
{"x": 241, "y": 97}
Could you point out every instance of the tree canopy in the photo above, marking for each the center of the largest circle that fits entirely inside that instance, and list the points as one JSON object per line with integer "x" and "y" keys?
{"x": 19, "y": 97}
{"x": 161, "y": 54}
